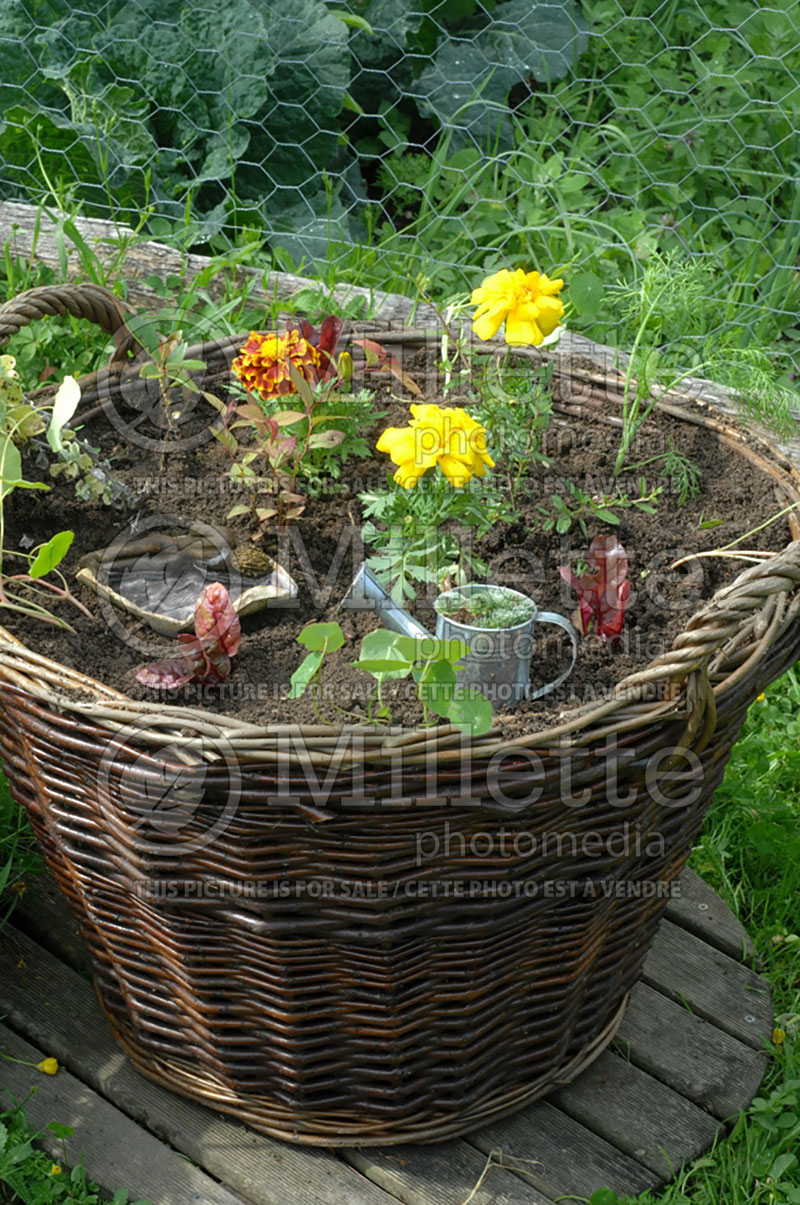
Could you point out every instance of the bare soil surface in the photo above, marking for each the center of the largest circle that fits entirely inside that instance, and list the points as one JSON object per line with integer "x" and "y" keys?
{"x": 322, "y": 551}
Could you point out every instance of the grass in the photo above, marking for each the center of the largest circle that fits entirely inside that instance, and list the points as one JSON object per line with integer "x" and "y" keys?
{"x": 676, "y": 131}
{"x": 749, "y": 852}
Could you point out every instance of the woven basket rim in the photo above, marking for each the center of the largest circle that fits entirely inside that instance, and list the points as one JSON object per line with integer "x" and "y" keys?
{"x": 717, "y": 621}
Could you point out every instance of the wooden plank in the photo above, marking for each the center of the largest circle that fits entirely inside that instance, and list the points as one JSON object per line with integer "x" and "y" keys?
{"x": 445, "y": 1174}
{"x": 563, "y": 1157}
{"x": 57, "y": 1009}
{"x": 43, "y": 913}
{"x": 683, "y": 968}
{"x": 636, "y": 1113}
{"x": 699, "y": 909}
{"x": 147, "y": 258}
{"x": 116, "y": 1152}
{"x": 700, "y": 1061}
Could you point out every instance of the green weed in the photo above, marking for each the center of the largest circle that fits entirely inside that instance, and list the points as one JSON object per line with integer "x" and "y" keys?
{"x": 33, "y": 1176}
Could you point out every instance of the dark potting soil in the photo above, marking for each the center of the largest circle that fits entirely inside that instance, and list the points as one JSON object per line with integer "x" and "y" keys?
{"x": 322, "y": 551}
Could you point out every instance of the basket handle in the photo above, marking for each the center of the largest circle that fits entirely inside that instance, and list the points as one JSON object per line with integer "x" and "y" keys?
{"x": 90, "y": 301}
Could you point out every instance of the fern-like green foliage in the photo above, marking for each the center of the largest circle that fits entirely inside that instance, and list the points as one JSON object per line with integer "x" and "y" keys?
{"x": 674, "y": 305}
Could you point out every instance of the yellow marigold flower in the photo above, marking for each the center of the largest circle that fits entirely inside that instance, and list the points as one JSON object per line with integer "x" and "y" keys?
{"x": 263, "y": 363}
{"x": 527, "y": 302}
{"x": 449, "y": 438}
{"x": 48, "y": 1066}
{"x": 56, "y": 1170}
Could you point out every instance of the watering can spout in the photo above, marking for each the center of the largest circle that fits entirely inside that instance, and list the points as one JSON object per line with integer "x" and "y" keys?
{"x": 367, "y": 594}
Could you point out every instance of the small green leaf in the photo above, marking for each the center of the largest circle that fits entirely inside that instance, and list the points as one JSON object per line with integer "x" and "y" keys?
{"x": 325, "y": 439}
{"x": 353, "y": 20}
{"x": 349, "y": 103}
{"x": 782, "y": 1164}
{"x": 385, "y": 668}
{"x": 60, "y": 1131}
{"x": 325, "y": 637}
{"x": 435, "y": 686}
{"x": 431, "y": 648}
{"x": 604, "y": 1196}
{"x": 380, "y": 643}
{"x": 305, "y": 673}
{"x": 380, "y": 656}
{"x": 51, "y": 554}
{"x": 301, "y": 385}
{"x": 586, "y": 292}
{"x": 440, "y": 673}
{"x": 607, "y": 516}
{"x": 10, "y": 467}
{"x": 470, "y": 711}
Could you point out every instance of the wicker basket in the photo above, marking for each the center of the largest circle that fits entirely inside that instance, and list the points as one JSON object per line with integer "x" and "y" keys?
{"x": 394, "y": 1005}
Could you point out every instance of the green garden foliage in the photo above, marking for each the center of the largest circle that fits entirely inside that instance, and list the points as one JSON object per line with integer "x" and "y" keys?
{"x": 396, "y": 142}
{"x": 245, "y": 113}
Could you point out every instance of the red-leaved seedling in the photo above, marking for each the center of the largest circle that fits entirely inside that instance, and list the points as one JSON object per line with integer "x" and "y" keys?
{"x": 205, "y": 656}
{"x": 325, "y": 342}
{"x": 378, "y": 360}
{"x": 603, "y": 591}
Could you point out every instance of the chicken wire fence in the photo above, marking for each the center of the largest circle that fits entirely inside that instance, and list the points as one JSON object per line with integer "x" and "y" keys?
{"x": 400, "y": 139}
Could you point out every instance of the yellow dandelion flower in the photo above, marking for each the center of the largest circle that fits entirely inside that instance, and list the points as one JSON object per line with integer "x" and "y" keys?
{"x": 56, "y": 1169}
{"x": 48, "y": 1066}
{"x": 449, "y": 438}
{"x": 778, "y": 1036}
{"x": 526, "y": 301}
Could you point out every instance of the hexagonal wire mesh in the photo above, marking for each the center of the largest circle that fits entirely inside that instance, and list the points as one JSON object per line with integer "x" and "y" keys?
{"x": 392, "y": 138}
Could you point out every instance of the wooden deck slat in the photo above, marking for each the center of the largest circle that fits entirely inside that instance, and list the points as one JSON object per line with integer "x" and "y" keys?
{"x": 699, "y": 909}
{"x": 565, "y": 1157}
{"x": 116, "y": 1151}
{"x": 639, "y": 1115}
{"x": 54, "y": 1007}
{"x": 443, "y": 1175}
{"x": 696, "y": 1059}
{"x": 713, "y": 985}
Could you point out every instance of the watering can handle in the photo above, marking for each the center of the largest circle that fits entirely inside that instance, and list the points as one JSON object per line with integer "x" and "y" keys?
{"x": 561, "y": 622}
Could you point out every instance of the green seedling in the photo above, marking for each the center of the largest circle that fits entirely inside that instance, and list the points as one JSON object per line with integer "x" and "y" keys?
{"x": 432, "y": 664}
{"x": 388, "y": 655}
{"x": 319, "y": 639}
{"x": 579, "y": 506}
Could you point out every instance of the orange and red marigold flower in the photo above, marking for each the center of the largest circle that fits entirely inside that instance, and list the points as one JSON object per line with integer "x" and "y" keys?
{"x": 262, "y": 365}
